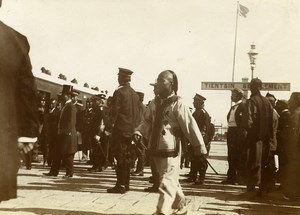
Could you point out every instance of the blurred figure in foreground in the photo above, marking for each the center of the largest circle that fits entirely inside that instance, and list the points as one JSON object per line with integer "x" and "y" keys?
{"x": 291, "y": 187}
{"x": 18, "y": 109}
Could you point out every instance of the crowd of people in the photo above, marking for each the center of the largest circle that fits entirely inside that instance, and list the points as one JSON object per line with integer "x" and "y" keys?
{"x": 263, "y": 143}
{"x": 119, "y": 130}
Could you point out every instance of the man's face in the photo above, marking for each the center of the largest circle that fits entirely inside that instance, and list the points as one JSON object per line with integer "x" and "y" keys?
{"x": 65, "y": 97}
{"x": 102, "y": 102}
{"x": 53, "y": 104}
{"x": 43, "y": 102}
{"x": 271, "y": 100}
{"x": 234, "y": 97}
{"x": 198, "y": 104}
{"x": 164, "y": 83}
{"x": 95, "y": 103}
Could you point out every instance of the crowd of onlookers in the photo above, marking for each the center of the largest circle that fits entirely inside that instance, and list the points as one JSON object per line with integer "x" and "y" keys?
{"x": 262, "y": 140}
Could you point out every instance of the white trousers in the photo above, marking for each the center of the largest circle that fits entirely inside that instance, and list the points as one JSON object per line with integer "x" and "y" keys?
{"x": 170, "y": 192}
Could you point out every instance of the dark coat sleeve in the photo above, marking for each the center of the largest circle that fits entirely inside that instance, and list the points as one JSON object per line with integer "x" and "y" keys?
{"x": 27, "y": 97}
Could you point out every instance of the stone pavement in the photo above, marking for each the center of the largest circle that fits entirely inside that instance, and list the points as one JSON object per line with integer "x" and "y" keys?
{"x": 86, "y": 194}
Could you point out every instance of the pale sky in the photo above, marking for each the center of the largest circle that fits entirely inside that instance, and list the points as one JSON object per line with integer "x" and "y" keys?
{"x": 89, "y": 39}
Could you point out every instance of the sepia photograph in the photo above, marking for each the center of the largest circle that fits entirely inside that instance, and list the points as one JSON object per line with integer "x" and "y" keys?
{"x": 149, "y": 107}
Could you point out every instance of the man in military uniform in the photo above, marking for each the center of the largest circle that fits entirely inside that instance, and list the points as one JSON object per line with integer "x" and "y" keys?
{"x": 95, "y": 133}
{"x": 139, "y": 149}
{"x": 199, "y": 163}
{"x": 86, "y": 137}
{"x": 125, "y": 117}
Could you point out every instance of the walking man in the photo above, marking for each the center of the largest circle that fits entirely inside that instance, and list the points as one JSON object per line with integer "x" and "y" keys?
{"x": 166, "y": 120}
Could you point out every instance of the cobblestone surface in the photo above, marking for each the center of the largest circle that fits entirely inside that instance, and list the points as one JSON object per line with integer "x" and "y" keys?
{"x": 86, "y": 194}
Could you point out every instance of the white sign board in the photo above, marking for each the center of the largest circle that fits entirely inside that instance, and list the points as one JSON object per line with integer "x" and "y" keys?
{"x": 244, "y": 86}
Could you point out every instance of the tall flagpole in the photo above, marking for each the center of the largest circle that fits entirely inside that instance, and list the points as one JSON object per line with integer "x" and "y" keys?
{"x": 234, "y": 50}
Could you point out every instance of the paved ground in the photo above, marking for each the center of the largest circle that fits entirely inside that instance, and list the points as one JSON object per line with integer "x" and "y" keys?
{"x": 86, "y": 194}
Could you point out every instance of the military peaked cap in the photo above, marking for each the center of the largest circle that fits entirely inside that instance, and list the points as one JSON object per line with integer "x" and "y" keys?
{"x": 125, "y": 72}
{"x": 101, "y": 96}
{"x": 75, "y": 92}
{"x": 199, "y": 97}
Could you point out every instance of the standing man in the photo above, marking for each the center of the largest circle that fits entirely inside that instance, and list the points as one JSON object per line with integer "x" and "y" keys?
{"x": 125, "y": 117}
{"x": 67, "y": 138}
{"x": 257, "y": 122}
{"x": 95, "y": 133}
{"x": 199, "y": 163}
{"x": 234, "y": 136}
{"x": 270, "y": 169}
{"x": 18, "y": 109}
{"x": 139, "y": 148}
{"x": 50, "y": 130}
{"x": 166, "y": 120}
{"x": 79, "y": 118}
{"x": 291, "y": 188}
{"x": 67, "y": 130}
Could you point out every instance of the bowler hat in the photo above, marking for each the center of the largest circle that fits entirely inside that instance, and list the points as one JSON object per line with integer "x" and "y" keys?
{"x": 199, "y": 97}
{"x": 256, "y": 82}
{"x": 67, "y": 89}
{"x": 270, "y": 95}
{"x": 237, "y": 91}
{"x": 141, "y": 95}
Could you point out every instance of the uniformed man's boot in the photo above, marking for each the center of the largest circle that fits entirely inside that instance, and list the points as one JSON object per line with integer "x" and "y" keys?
{"x": 117, "y": 189}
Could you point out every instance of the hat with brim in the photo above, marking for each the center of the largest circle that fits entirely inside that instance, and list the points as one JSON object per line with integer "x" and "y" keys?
{"x": 101, "y": 96}
{"x": 256, "y": 83}
{"x": 141, "y": 95}
{"x": 125, "y": 72}
{"x": 75, "y": 93}
{"x": 67, "y": 89}
{"x": 237, "y": 91}
{"x": 199, "y": 97}
{"x": 270, "y": 95}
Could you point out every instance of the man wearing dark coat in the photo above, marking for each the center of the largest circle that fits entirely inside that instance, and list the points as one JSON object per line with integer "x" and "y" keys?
{"x": 18, "y": 109}
{"x": 67, "y": 137}
{"x": 125, "y": 117}
{"x": 50, "y": 130}
{"x": 258, "y": 124}
{"x": 282, "y": 138}
{"x": 139, "y": 151}
{"x": 97, "y": 152}
{"x": 199, "y": 163}
{"x": 291, "y": 187}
